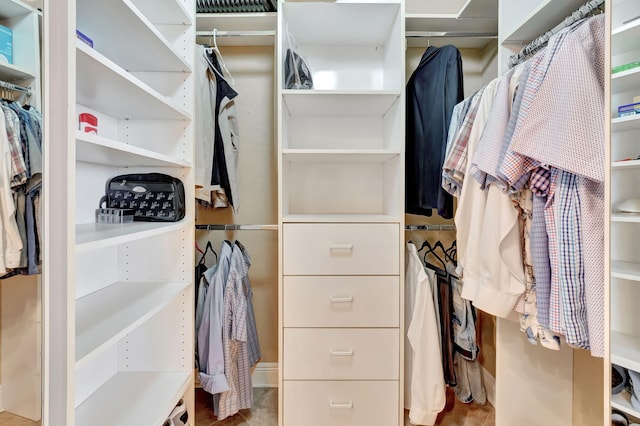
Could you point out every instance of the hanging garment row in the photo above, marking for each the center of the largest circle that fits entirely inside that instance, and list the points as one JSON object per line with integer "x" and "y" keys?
{"x": 227, "y": 337}
{"x": 21, "y": 139}
{"x": 440, "y": 347}
{"x": 525, "y": 157}
{"x": 216, "y": 136}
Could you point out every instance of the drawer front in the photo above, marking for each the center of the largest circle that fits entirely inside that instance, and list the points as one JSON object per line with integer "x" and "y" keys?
{"x": 341, "y": 249}
{"x": 341, "y": 301}
{"x": 341, "y": 354}
{"x": 342, "y": 403}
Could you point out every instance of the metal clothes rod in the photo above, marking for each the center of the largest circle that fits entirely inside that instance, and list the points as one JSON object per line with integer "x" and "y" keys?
{"x": 235, "y": 33}
{"x": 582, "y": 12}
{"x": 236, "y": 227}
{"x": 435, "y": 34}
{"x": 14, "y": 87}
{"x": 430, "y": 227}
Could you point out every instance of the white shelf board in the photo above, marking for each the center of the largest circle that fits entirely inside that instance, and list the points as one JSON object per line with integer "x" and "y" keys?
{"x": 475, "y": 9}
{"x": 12, "y": 73}
{"x": 104, "y": 317}
{"x": 625, "y": 350}
{"x": 630, "y": 122}
{"x": 331, "y": 23}
{"x": 136, "y": 44}
{"x": 341, "y": 218}
{"x": 96, "y": 149}
{"x": 339, "y": 155}
{"x": 625, "y": 38}
{"x": 134, "y": 398}
{"x": 625, "y": 270}
{"x": 104, "y": 86}
{"x": 543, "y": 18}
{"x": 627, "y": 164}
{"x": 461, "y": 42}
{"x": 263, "y": 21}
{"x": 625, "y": 81}
{"x": 449, "y": 23}
{"x": 339, "y": 103}
{"x": 622, "y": 402}
{"x": 626, "y": 217}
{"x": 171, "y": 12}
{"x": 91, "y": 236}
{"x": 12, "y": 8}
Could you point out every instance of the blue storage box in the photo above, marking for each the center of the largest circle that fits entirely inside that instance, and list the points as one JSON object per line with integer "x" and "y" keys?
{"x": 6, "y": 44}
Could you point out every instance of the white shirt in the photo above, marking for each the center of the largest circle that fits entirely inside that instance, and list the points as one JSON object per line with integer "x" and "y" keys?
{"x": 428, "y": 395}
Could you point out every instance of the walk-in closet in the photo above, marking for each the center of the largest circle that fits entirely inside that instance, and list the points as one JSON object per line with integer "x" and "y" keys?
{"x": 330, "y": 264}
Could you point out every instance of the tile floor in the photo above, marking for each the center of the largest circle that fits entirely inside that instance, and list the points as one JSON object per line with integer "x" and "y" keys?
{"x": 265, "y": 412}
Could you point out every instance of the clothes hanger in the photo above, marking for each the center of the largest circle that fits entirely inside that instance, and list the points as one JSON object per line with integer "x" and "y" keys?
{"x": 204, "y": 253}
{"x": 218, "y": 54}
{"x": 431, "y": 250}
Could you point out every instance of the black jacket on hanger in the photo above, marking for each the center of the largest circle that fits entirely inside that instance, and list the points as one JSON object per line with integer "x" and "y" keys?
{"x": 434, "y": 88}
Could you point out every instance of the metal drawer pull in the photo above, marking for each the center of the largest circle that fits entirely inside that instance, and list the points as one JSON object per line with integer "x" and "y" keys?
{"x": 346, "y": 299}
{"x": 348, "y": 352}
{"x": 341, "y": 247}
{"x": 347, "y": 405}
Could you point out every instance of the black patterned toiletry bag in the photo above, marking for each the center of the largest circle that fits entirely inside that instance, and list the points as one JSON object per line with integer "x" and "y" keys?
{"x": 153, "y": 197}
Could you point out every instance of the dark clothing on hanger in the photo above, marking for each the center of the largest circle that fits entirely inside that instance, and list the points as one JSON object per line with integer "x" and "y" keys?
{"x": 220, "y": 175}
{"x": 434, "y": 88}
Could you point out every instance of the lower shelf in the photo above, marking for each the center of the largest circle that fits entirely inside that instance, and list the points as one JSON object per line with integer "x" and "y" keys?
{"x": 622, "y": 402}
{"x": 134, "y": 398}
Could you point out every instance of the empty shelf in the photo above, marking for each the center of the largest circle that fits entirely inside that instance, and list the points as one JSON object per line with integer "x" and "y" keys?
{"x": 340, "y": 218}
{"x": 625, "y": 38}
{"x": 339, "y": 103}
{"x": 625, "y": 270}
{"x": 339, "y": 155}
{"x": 543, "y": 18}
{"x": 103, "y": 317}
{"x": 625, "y": 350}
{"x": 624, "y": 81}
{"x": 90, "y": 236}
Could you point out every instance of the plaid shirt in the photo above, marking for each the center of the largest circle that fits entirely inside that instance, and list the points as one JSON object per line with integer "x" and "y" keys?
{"x": 18, "y": 166}
{"x": 455, "y": 163}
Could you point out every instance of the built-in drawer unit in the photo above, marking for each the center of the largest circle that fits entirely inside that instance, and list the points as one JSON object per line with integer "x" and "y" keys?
{"x": 341, "y": 301}
{"x": 341, "y": 249}
{"x": 341, "y": 403}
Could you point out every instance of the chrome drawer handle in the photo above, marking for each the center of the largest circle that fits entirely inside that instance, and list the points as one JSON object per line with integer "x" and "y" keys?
{"x": 348, "y": 352}
{"x": 347, "y": 405}
{"x": 348, "y": 247}
{"x": 346, "y": 299}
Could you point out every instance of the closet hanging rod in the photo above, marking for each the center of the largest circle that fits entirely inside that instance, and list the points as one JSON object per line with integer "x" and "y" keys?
{"x": 236, "y": 227}
{"x": 236, "y": 33}
{"x": 14, "y": 87}
{"x": 430, "y": 227}
{"x": 435, "y": 34}
{"x": 582, "y": 12}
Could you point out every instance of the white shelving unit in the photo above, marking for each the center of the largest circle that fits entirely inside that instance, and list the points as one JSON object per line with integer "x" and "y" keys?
{"x": 625, "y": 227}
{"x": 341, "y": 186}
{"x": 260, "y": 25}
{"x": 126, "y": 342}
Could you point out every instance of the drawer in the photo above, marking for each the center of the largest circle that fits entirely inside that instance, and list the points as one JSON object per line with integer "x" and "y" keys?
{"x": 337, "y": 354}
{"x": 341, "y": 249}
{"x": 342, "y": 403}
{"x": 341, "y": 301}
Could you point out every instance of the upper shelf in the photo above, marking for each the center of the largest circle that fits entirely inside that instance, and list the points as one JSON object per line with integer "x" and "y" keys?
{"x": 263, "y": 21}
{"x": 96, "y": 149}
{"x": 104, "y": 86}
{"x": 336, "y": 103}
{"x": 625, "y": 81}
{"x": 339, "y": 155}
{"x": 630, "y": 122}
{"x": 91, "y": 236}
{"x": 105, "y": 316}
{"x": 626, "y": 164}
{"x": 11, "y": 8}
{"x": 237, "y": 29}
{"x": 161, "y": 12}
{"x": 625, "y": 270}
{"x": 331, "y": 23}
{"x": 543, "y": 18}
{"x": 449, "y": 23}
{"x": 625, "y": 38}
{"x": 12, "y": 73}
{"x": 136, "y": 44}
